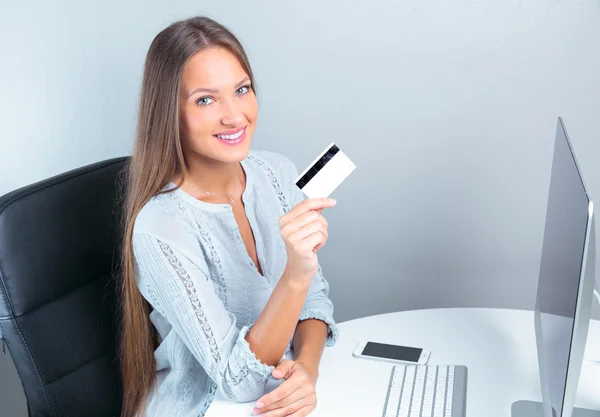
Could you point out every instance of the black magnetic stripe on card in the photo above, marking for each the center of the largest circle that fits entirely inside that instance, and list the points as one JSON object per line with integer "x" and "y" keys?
{"x": 314, "y": 170}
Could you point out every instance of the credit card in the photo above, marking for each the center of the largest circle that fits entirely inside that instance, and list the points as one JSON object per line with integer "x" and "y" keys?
{"x": 325, "y": 173}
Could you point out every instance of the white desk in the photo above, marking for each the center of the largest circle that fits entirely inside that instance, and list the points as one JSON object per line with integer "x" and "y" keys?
{"x": 497, "y": 346}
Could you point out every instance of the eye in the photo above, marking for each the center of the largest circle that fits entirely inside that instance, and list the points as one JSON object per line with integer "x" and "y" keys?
{"x": 243, "y": 90}
{"x": 204, "y": 101}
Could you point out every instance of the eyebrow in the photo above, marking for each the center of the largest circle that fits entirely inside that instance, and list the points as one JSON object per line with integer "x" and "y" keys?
{"x": 213, "y": 91}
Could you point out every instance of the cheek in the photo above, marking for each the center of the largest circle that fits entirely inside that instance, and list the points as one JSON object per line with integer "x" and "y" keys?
{"x": 197, "y": 122}
{"x": 251, "y": 109}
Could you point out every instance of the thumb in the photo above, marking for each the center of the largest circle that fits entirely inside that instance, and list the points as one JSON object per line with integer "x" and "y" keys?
{"x": 282, "y": 368}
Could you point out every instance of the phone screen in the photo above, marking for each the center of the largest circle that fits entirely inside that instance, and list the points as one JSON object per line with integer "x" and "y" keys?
{"x": 402, "y": 353}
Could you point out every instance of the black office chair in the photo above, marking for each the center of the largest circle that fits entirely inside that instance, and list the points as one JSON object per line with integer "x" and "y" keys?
{"x": 59, "y": 247}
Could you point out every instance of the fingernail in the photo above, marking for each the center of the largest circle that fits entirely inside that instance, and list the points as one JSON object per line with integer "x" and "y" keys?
{"x": 259, "y": 405}
{"x": 333, "y": 200}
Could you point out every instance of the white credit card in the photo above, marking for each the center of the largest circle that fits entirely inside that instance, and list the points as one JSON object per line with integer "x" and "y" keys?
{"x": 325, "y": 173}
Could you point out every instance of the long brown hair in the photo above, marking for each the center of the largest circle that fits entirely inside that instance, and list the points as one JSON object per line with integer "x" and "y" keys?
{"x": 157, "y": 158}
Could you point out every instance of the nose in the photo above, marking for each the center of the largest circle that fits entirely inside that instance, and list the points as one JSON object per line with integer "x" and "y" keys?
{"x": 232, "y": 114}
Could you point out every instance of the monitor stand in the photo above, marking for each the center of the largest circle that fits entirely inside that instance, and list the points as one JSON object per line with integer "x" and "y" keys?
{"x": 534, "y": 408}
{"x": 597, "y": 294}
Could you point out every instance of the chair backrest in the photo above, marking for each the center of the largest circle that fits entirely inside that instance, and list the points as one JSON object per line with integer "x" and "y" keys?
{"x": 59, "y": 247}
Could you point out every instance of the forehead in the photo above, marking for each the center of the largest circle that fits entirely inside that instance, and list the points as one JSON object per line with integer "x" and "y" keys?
{"x": 212, "y": 68}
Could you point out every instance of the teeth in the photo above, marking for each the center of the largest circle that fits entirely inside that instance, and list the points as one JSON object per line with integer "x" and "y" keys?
{"x": 231, "y": 137}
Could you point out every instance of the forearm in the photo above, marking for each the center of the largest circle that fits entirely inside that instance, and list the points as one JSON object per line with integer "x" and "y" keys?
{"x": 309, "y": 342}
{"x": 269, "y": 336}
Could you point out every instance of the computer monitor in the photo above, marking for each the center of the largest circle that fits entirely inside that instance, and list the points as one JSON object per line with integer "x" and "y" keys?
{"x": 566, "y": 281}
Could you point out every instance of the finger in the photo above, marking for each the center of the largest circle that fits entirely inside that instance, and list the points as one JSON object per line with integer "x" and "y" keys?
{"x": 325, "y": 233}
{"x": 295, "y": 396}
{"x": 279, "y": 393}
{"x": 311, "y": 242}
{"x": 302, "y": 221}
{"x": 310, "y": 217}
{"x": 305, "y": 390}
{"x": 306, "y": 218}
{"x": 306, "y": 231}
{"x": 320, "y": 245}
{"x": 305, "y": 206}
{"x": 290, "y": 409}
{"x": 304, "y": 411}
{"x": 283, "y": 368}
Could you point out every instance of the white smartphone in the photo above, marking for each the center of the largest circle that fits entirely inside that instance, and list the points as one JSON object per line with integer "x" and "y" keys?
{"x": 391, "y": 353}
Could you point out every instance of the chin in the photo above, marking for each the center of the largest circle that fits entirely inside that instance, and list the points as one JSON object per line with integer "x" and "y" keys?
{"x": 234, "y": 154}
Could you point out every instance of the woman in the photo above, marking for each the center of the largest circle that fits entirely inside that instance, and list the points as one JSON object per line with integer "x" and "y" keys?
{"x": 220, "y": 275}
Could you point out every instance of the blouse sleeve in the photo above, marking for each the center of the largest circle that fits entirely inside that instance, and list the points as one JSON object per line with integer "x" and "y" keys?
{"x": 177, "y": 286}
{"x": 317, "y": 305}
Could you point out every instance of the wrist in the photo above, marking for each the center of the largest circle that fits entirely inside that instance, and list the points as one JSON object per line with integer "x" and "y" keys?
{"x": 295, "y": 282}
{"x": 310, "y": 365}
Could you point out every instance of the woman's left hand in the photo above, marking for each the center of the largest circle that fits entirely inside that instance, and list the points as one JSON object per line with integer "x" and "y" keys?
{"x": 295, "y": 397}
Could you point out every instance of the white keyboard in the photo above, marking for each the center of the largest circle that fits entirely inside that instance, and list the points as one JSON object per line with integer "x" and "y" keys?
{"x": 426, "y": 391}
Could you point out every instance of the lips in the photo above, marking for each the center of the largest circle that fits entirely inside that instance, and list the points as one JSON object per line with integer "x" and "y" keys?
{"x": 234, "y": 138}
{"x": 232, "y": 134}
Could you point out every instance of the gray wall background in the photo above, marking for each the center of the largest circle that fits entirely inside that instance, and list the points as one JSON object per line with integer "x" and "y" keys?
{"x": 448, "y": 110}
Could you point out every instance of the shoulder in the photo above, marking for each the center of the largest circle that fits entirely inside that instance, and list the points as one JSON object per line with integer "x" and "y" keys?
{"x": 154, "y": 212}
{"x": 163, "y": 222}
{"x": 165, "y": 218}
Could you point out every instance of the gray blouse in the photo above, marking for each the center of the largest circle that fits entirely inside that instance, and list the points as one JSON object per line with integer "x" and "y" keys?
{"x": 205, "y": 291}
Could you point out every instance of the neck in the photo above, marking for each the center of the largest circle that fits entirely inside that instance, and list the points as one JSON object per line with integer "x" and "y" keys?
{"x": 213, "y": 176}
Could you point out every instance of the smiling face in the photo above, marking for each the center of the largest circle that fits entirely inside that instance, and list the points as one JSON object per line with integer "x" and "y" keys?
{"x": 218, "y": 107}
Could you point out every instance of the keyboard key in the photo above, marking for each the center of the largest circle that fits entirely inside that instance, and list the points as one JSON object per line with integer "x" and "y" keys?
{"x": 449, "y": 393}
{"x": 415, "y": 413}
{"x": 407, "y": 390}
{"x": 398, "y": 377}
{"x": 404, "y": 409}
{"x": 393, "y": 400}
{"x": 429, "y": 391}
{"x": 440, "y": 392}
{"x": 420, "y": 391}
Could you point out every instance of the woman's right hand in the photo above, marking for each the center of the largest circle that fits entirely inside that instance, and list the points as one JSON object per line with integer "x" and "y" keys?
{"x": 304, "y": 231}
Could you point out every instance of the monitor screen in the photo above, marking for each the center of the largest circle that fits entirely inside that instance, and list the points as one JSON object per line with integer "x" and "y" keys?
{"x": 560, "y": 268}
